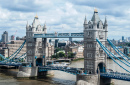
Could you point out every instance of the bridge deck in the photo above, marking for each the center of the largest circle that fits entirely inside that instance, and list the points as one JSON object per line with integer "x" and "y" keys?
{"x": 116, "y": 75}
{"x": 59, "y": 35}
{"x": 65, "y": 69}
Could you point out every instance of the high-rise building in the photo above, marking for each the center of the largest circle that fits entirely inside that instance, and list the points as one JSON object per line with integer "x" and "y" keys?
{"x": 56, "y": 42}
{"x": 12, "y": 37}
{"x": 17, "y": 38}
{"x": 5, "y": 37}
{"x": 123, "y": 38}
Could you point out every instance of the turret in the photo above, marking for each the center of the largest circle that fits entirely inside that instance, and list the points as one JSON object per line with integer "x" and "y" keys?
{"x": 27, "y": 26}
{"x": 95, "y": 19}
{"x": 44, "y": 28}
{"x": 105, "y": 22}
{"x": 85, "y": 22}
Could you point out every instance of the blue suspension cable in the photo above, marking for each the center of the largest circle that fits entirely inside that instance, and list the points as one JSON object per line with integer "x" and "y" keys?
{"x": 116, "y": 57}
{"x": 18, "y": 51}
{"x": 20, "y": 56}
{"x": 116, "y": 50}
{"x": 110, "y": 56}
{"x": 2, "y": 56}
{"x": 15, "y": 52}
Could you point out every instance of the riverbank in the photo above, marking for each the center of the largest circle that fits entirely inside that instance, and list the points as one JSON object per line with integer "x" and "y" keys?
{"x": 78, "y": 59}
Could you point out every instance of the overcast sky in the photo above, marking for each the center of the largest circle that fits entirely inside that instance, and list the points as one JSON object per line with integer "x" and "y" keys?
{"x": 64, "y": 15}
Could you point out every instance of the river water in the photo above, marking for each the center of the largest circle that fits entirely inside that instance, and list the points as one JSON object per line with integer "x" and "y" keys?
{"x": 59, "y": 78}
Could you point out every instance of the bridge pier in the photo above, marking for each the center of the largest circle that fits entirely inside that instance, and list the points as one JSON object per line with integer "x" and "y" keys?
{"x": 105, "y": 81}
{"x": 90, "y": 79}
{"x": 27, "y": 72}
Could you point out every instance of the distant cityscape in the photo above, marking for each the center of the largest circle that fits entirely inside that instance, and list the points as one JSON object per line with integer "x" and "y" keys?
{"x": 8, "y": 45}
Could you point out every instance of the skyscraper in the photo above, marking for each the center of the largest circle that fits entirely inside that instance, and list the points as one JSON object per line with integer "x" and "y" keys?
{"x": 123, "y": 38}
{"x": 12, "y": 37}
{"x": 5, "y": 37}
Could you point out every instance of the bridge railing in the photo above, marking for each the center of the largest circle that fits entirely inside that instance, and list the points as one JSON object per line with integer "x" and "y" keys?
{"x": 59, "y": 35}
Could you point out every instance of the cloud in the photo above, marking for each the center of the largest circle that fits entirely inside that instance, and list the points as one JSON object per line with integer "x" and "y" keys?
{"x": 26, "y": 5}
{"x": 64, "y": 15}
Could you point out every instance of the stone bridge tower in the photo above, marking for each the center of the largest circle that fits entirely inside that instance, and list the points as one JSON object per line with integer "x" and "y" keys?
{"x": 94, "y": 56}
{"x": 36, "y": 47}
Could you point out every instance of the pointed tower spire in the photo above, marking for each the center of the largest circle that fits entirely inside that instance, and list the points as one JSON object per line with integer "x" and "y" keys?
{"x": 36, "y": 16}
{"x": 85, "y": 20}
{"x": 95, "y": 17}
{"x": 27, "y": 26}
{"x": 105, "y": 22}
{"x": 45, "y": 24}
{"x": 44, "y": 27}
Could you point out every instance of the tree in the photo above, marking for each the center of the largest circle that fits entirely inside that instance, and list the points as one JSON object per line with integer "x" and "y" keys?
{"x": 57, "y": 49}
{"x": 71, "y": 55}
{"x": 129, "y": 44}
{"x": 61, "y": 54}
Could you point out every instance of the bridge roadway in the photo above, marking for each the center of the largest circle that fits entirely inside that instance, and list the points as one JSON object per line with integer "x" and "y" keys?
{"x": 74, "y": 71}
{"x": 116, "y": 75}
{"x": 59, "y": 35}
{"x": 3, "y": 64}
{"x": 70, "y": 70}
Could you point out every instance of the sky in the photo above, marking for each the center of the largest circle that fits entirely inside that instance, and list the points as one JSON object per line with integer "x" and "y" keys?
{"x": 64, "y": 15}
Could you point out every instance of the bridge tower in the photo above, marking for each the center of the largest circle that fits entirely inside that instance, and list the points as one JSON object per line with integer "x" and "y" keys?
{"x": 94, "y": 56}
{"x": 36, "y": 47}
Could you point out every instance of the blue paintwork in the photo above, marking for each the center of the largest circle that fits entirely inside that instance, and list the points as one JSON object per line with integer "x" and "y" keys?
{"x": 107, "y": 52}
{"x": 59, "y": 35}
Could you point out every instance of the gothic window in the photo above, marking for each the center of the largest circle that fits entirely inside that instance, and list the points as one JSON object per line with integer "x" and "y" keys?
{"x": 30, "y": 52}
{"x": 40, "y": 44}
{"x": 29, "y": 44}
{"x": 30, "y": 34}
{"x": 89, "y": 55}
{"x": 40, "y": 50}
{"x": 89, "y": 26}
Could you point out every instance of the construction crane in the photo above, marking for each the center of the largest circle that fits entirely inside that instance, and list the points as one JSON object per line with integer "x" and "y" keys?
{"x": 14, "y": 35}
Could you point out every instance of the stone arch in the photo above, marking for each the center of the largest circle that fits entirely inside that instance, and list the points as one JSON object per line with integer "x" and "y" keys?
{"x": 39, "y": 61}
{"x": 102, "y": 67}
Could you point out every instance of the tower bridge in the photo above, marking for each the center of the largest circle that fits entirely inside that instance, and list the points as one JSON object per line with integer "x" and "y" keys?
{"x": 95, "y": 52}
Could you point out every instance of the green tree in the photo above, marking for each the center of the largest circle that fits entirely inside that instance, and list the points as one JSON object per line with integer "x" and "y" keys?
{"x": 71, "y": 55}
{"x": 57, "y": 49}
{"x": 129, "y": 44}
{"x": 61, "y": 54}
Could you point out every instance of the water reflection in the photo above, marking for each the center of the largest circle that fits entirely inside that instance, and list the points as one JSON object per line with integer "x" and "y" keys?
{"x": 60, "y": 78}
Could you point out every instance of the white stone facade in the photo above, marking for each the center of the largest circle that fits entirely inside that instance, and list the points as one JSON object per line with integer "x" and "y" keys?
{"x": 36, "y": 47}
{"x": 93, "y": 54}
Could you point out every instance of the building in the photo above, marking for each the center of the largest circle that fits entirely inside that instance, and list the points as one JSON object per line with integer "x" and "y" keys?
{"x": 94, "y": 57}
{"x": 49, "y": 51}
{"x": 77, "y": 50}
{"x": 12, "y": 37}
{"x": 5, "y": 37}
{"x": 4, "y": 52}
{"x": 36, "y": 55}
{"x": 56, "y": 42}
{"x": 18, "y": 38}
{"x": 14, "y": 45}
{"x": 123, "y": 38}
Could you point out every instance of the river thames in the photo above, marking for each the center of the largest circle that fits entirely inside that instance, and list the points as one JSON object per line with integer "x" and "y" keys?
{"x": 59, "y": 78}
